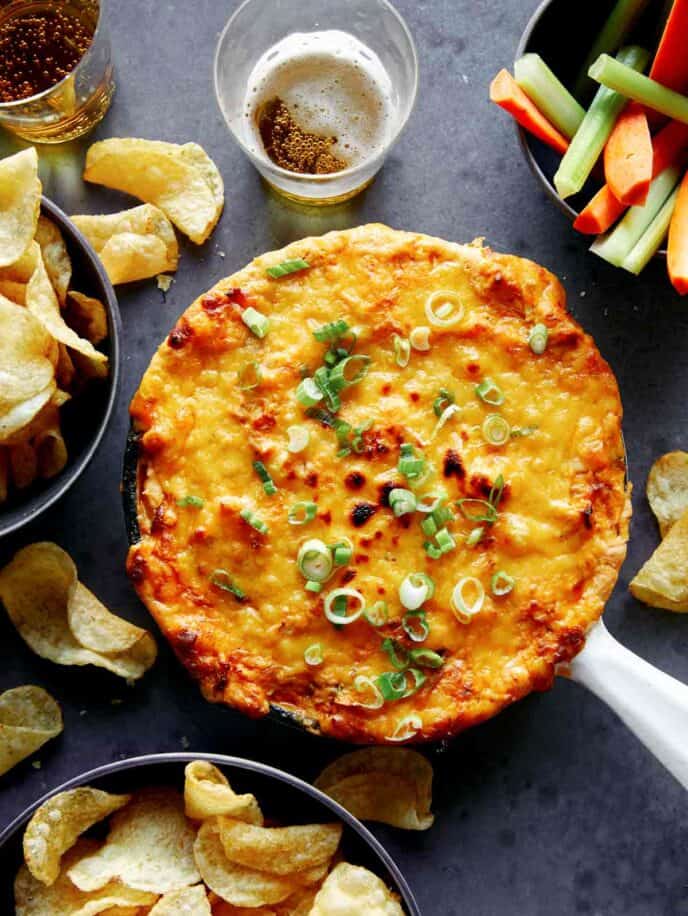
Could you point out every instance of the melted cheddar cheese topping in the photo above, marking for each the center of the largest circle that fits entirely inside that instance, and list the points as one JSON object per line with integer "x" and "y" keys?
{"x": 561, "y": 527}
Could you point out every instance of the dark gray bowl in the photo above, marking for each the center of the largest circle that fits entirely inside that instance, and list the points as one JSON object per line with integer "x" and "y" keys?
{"x": 85, "y": 419}
{"x": 282, "y": 796}
{"x": 562, "y": 34}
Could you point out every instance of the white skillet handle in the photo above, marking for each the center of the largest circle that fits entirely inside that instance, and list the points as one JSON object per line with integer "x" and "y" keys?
{"x": 652, "y": 704}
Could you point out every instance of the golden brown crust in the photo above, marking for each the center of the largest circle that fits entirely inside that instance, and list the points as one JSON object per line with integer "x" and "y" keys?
{"x": 563, "y": 521}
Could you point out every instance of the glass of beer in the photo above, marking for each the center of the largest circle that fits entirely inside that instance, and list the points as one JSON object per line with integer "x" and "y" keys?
{"x": 316, "y": 92}
{"x": 55, "y": 68}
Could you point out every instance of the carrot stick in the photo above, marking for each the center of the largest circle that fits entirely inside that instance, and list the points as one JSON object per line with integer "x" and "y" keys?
{"x": 668, "y": 147}
{"x": 628, "y": 157}
{"x": 506, "y": 93}
{"x": 670, "y": 66}
{"x": 677, "y": 249}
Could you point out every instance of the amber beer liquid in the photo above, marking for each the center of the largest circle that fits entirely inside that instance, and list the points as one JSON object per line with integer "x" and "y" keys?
{"x": 55, "y": 68}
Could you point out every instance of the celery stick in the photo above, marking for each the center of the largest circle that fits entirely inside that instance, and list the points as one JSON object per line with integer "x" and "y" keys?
{"x": 613, "y": 34}
{"x": 616, "y": 245}
{"x": 549, "y": 94}
{"x": 586, "y": 146}
{"x": 652, "y": 238}
{"x": 613, "y": 74}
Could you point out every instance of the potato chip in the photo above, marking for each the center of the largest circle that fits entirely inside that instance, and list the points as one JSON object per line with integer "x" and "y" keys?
{"x": 87, "y": 316}
{"x": 59, "y": 822}
{"x": 29, "y": 717}
{"x": 64, "y": 370}
{"x": 51, "y": 450}
{"x": 279, "y": 850}
{"x": 133, "y": 244}
{"x": 62, "y": 898}
{"x": 392, "y": 785}
{"x": 235, "y": 883}
{"x": 350, "y": 890}
{"x": 207, "y": 793}
{"x": 182, "y": 180}
{"x": 40, "y": 589}
{"x": 56, "y": 258}
{"x": 23, "y": 465}
{"x": 23, "y": 414}
{"x": 222, "y": 908}
{"x": 299, "y": 903}
{"x": 667, "y": 489}
{"x": 662, "y": 581}
{"x": 27, "y": 358}
{"x": 149, "y": 847}
{"x": 189, "y": 901}
{"x": 20, "y": 201}
{"x": 14, "y": 291}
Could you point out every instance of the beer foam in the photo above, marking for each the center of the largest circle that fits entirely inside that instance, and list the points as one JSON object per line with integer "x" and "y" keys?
{"x": 334, "y": 86}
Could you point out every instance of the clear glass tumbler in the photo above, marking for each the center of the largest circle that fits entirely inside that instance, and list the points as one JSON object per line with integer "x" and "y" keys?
{"x": 257, "y": 25}
{"x": 78, "y": 102}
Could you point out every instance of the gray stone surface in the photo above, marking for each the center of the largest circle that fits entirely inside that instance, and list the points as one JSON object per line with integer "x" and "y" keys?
{"x": 553, "y": 807}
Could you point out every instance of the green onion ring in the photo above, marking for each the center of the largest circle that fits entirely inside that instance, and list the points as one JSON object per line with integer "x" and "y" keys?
{"x": 249, "y": 376}
{"x": 419, "y": 338}
{"x": 406, "y": 728}
{"x": 463, "y": 609}
{"x": 315, "y": 561}
{"x": 363, "y": 683}
{"x": 416, "y": 625}
{"x": 313, "y": 655}
{"x": 501, "y": 583}
{"x": 402, "y": 351}
{"x": 415, "y": 589}
{"x": 490, "y": 392}
{"x": 537, "y": 339}
{"x": 377, "y": 614}
{"x": 443, "y": 308}
{"x": 496, "y": 430}
{"x": 343, "y": 593}
{"x": 298, "y": 438}
{"x": 302, "y": 512}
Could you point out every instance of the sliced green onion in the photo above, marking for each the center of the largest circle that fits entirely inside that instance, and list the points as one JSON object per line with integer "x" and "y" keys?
{"x": 402, "y": 502}
{"x": 342, "y": 552}
{"x": 255, "y": 321}
{"x": 250, "y": 517}
{"x": 463, "y": 608}
{"x": 496, "y": 430}
{"x": 302, "y": 512}
{"x": 313, "y": 655}
{"x": 419, "y": 338}
{"x": 501, "y": 583}
{"x": 446, "y": 414}
{"x": 313, "y": 586}
{"x": 402, "y": 351}
{"x": 445, "y": 540}
{"x": 475, "y": 536}
{"x": 195, "y": 501}
{"x": 489, "y": 392}
{"x": 419, "y": 679}
{"x": 249, "y": 376}
{"x": 432, "y": 550}
{"x": 477, "y": 510}
{"x": 442, "y": 514}
{"x": 537, "y": 339}
{"x": 443, "y": 308}
{"x": 392, "y": 685}
{"x": 518, "y": 432}
{"x": 266, "y": 479}
{"x": 426, "y": 658}
{"x": 344, "y": 594}
{"x": 377, "y": 614}
{"x": 396, "y": 652}
{"x": 363, "y": 683}
{"x": 496, "y": 491}
{"x": 416, "y": 588}
{"x": 349, "y": 371}
{"x": 443, "y": 400}
{"x": 284, "y": 268}
{"x": 323, "y": 380}
{"x": 222, "y": 579}
{"x": 410, "y": 465}
{"x": 308, "y": 393}
{"x": 429, "y": 526}
{"x": 315, "y": 561}
{"x": 549, "y": 94}
{"x": 331, "y": 331}
{"x": 416, "y": 626}
{"x": 436, "y": 500}
{"x": 406, "y": 728}
{"x": 298, "y": 438}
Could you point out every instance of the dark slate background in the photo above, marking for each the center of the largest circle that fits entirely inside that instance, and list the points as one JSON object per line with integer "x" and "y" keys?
{"x": 553, "y": 807}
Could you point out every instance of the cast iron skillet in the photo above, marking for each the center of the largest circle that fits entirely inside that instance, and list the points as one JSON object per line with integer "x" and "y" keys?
{"x": 85, "y": 419}
{"x": 562, "y": 34}
{"x": 281, "y": 795}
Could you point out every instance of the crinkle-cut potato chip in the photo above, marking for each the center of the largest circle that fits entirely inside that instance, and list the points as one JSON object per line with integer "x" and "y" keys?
{"x": 37, "y": 588}
{"x": 133, "y": 244}
{"x": 392, "y": 785}
{"x": 663, "y": 580}
{"x": 27, "y": 356}
{"x": 207, "y": 793}
{"x": 189, "y": 901}
{"x": 87, "y": 316}
{"x": 62, "y": 898}
{"x": 237, "y": 884}
{"x": 14, "y": 291}
{"x": 667, "y": 489}
{"x": 56, "y": 258}
{"x": 350, "y": 890}
{"x": 20, "y": 202}
{"x": 182, "y": 180}
{"x": 29, "y": 717}
{"x": 279, "y": 850}
{"x": 149, "y": 847}
{"x": 56, "y": 826}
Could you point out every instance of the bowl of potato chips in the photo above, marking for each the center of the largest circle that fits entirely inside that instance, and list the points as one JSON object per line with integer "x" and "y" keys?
{"x": 59, "y": 347}
{"x": 206, "y": 835}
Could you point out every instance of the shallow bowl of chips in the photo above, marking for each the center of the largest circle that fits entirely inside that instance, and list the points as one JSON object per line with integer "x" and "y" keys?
{"x": 284, "y": 798}
{"x": 84, "y": 419}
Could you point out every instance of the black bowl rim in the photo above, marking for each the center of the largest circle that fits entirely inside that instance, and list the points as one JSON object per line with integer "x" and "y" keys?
{"x": 42, "y": 501}
{"x": 524, "y": 138}
{"x": 241, "y": 763}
